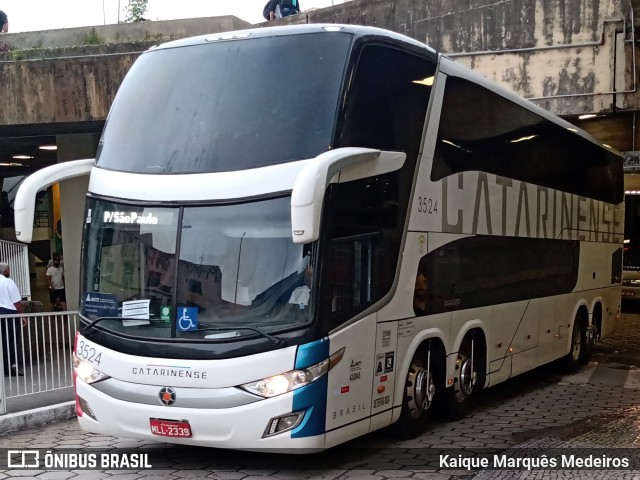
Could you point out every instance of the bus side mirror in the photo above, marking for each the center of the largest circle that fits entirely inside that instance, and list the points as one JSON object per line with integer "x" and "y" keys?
{"x": 335, "y": 166}
{"x": 24, "y": 204}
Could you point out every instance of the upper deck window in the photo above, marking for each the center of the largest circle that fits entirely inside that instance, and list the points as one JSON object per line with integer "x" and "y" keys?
{"x": 483, "y": 131}
{"x": 229, "y": 105}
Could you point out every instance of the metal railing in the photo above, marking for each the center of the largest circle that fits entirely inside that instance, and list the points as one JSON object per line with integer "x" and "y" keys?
{"x": 41, "y": 219}
{"x": 17, "y": 256}
{"x": 35, "y": 358}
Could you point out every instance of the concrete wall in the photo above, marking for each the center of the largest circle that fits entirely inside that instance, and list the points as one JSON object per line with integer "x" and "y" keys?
{"x": 68, "y": 89}
{"x": 72, "y": 75}
{"x": 569, "y": 56}
{"x": 123, "y": 33}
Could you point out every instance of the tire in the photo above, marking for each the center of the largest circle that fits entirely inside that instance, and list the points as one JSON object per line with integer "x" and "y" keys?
{"x": 592, "y": 336}
{"x": 419, "y": 394}
{"x": 458, "y": 397}
{"x": 577, "y": 355}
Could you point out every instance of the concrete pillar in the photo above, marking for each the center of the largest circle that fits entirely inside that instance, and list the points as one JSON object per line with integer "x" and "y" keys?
{"x": 72, "y": 201}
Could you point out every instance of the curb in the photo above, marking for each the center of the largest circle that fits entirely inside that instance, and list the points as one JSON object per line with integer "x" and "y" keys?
{"x": 37, "y": 417}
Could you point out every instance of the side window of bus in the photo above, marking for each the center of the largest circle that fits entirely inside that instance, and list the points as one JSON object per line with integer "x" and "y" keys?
{"x": 386, "y": 107}
{"x": 483, "y": 131}
{"x": 363, "y": 220}
{"x": 361, "y": 237}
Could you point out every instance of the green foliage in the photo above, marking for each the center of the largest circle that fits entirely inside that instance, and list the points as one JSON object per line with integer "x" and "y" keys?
{"x": 135, "y": 10}
{"x": 156, "y": 37}
{"x": 92, "y": 38}
{"x": 16, "y": 55}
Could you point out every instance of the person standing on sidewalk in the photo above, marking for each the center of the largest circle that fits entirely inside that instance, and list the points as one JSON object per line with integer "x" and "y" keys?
{"x": 11, "y": 328}
{"x": 55, "y": 278}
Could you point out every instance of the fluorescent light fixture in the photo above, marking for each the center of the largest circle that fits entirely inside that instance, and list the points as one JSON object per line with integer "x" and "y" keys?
{"x": 48, "y": 147}
{"x": 450, "y": 143}
{"x": 608, "y": 146}
{"x": 11, "y": 165}
{"x": 22, "y": 157}
{"x": 425, "y": 81}
{"x": 523, "y": 139}
{"x": 587, "y": 116}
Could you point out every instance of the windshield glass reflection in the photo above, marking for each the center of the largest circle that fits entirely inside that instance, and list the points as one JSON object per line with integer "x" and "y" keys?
{"x": 227, "y": 267}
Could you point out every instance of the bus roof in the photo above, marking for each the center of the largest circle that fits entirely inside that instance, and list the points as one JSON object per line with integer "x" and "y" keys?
{"x": 373, "y": 33}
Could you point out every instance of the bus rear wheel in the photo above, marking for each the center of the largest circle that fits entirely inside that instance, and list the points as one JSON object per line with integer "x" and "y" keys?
{"x": 419, "y": 393}
{"x": 593, "y": 334}
{"x": 458, "y": 396}
{"x": 578, "y": 351}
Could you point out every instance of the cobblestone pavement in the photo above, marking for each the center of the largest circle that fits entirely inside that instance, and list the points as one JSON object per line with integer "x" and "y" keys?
{"x": 594, "y": 412}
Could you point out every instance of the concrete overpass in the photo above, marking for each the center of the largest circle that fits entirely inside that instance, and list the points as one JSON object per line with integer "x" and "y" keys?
{"x": 572, "y": 57}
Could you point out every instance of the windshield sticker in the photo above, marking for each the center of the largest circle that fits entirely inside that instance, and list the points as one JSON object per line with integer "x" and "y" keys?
{"x": 138, "y": 309}
{"x": 101, "y": 304}
{"x": 165, "y": 313}
{"x": 187, "y": 318}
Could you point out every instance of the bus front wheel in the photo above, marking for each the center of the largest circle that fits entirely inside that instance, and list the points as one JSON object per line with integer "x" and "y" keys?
{"x": 419, "y": 392}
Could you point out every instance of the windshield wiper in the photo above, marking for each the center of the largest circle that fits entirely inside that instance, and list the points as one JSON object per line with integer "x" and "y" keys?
{"x": 276, "y": 341}
{"x": 93, "y": 322}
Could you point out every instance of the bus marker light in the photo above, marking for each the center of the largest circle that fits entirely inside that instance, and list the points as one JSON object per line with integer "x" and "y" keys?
{"x": 381, "y": 389}
{"x": 450, "y": 381}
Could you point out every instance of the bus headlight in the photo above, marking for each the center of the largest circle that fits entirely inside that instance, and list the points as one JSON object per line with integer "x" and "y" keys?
{"x": 86, "y": 371}
{"x": 294, "y": 379}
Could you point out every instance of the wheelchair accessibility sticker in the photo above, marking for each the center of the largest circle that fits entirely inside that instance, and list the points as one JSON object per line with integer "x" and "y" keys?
{"x": 187, "y": 319}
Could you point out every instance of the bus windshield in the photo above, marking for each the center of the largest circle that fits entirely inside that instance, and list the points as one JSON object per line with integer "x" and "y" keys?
{"x": 226, "y": 267}
{"x": 226, "y": 106}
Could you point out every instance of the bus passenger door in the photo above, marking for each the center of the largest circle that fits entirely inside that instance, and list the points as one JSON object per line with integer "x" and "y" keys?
{"x": 349, "y": 386}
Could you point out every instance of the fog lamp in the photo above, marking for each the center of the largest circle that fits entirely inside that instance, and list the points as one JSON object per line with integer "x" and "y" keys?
{"x": 283, "y": 424}
{"x": 86, "y": 409}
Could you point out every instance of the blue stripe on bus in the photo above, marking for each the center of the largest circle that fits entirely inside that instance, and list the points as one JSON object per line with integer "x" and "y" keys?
{"x": 312, "y": 353}
{"x": 313, "y": 397}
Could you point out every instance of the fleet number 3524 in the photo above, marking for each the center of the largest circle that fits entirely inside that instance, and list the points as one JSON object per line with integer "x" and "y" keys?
{"x": 427, "y": 205}
{"x": 88, "y": 353}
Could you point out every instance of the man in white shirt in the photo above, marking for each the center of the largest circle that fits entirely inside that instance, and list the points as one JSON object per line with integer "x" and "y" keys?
{"x": 300, "y": 296}
{"x": 55, "y": 277}
{"x": 11, "y": 330}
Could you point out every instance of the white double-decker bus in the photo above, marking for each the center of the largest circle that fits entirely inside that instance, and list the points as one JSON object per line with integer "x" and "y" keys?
{"x": 298, "y": 235}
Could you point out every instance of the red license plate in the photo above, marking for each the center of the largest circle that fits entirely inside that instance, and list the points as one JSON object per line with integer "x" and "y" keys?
{"x": 170, "y": 428}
